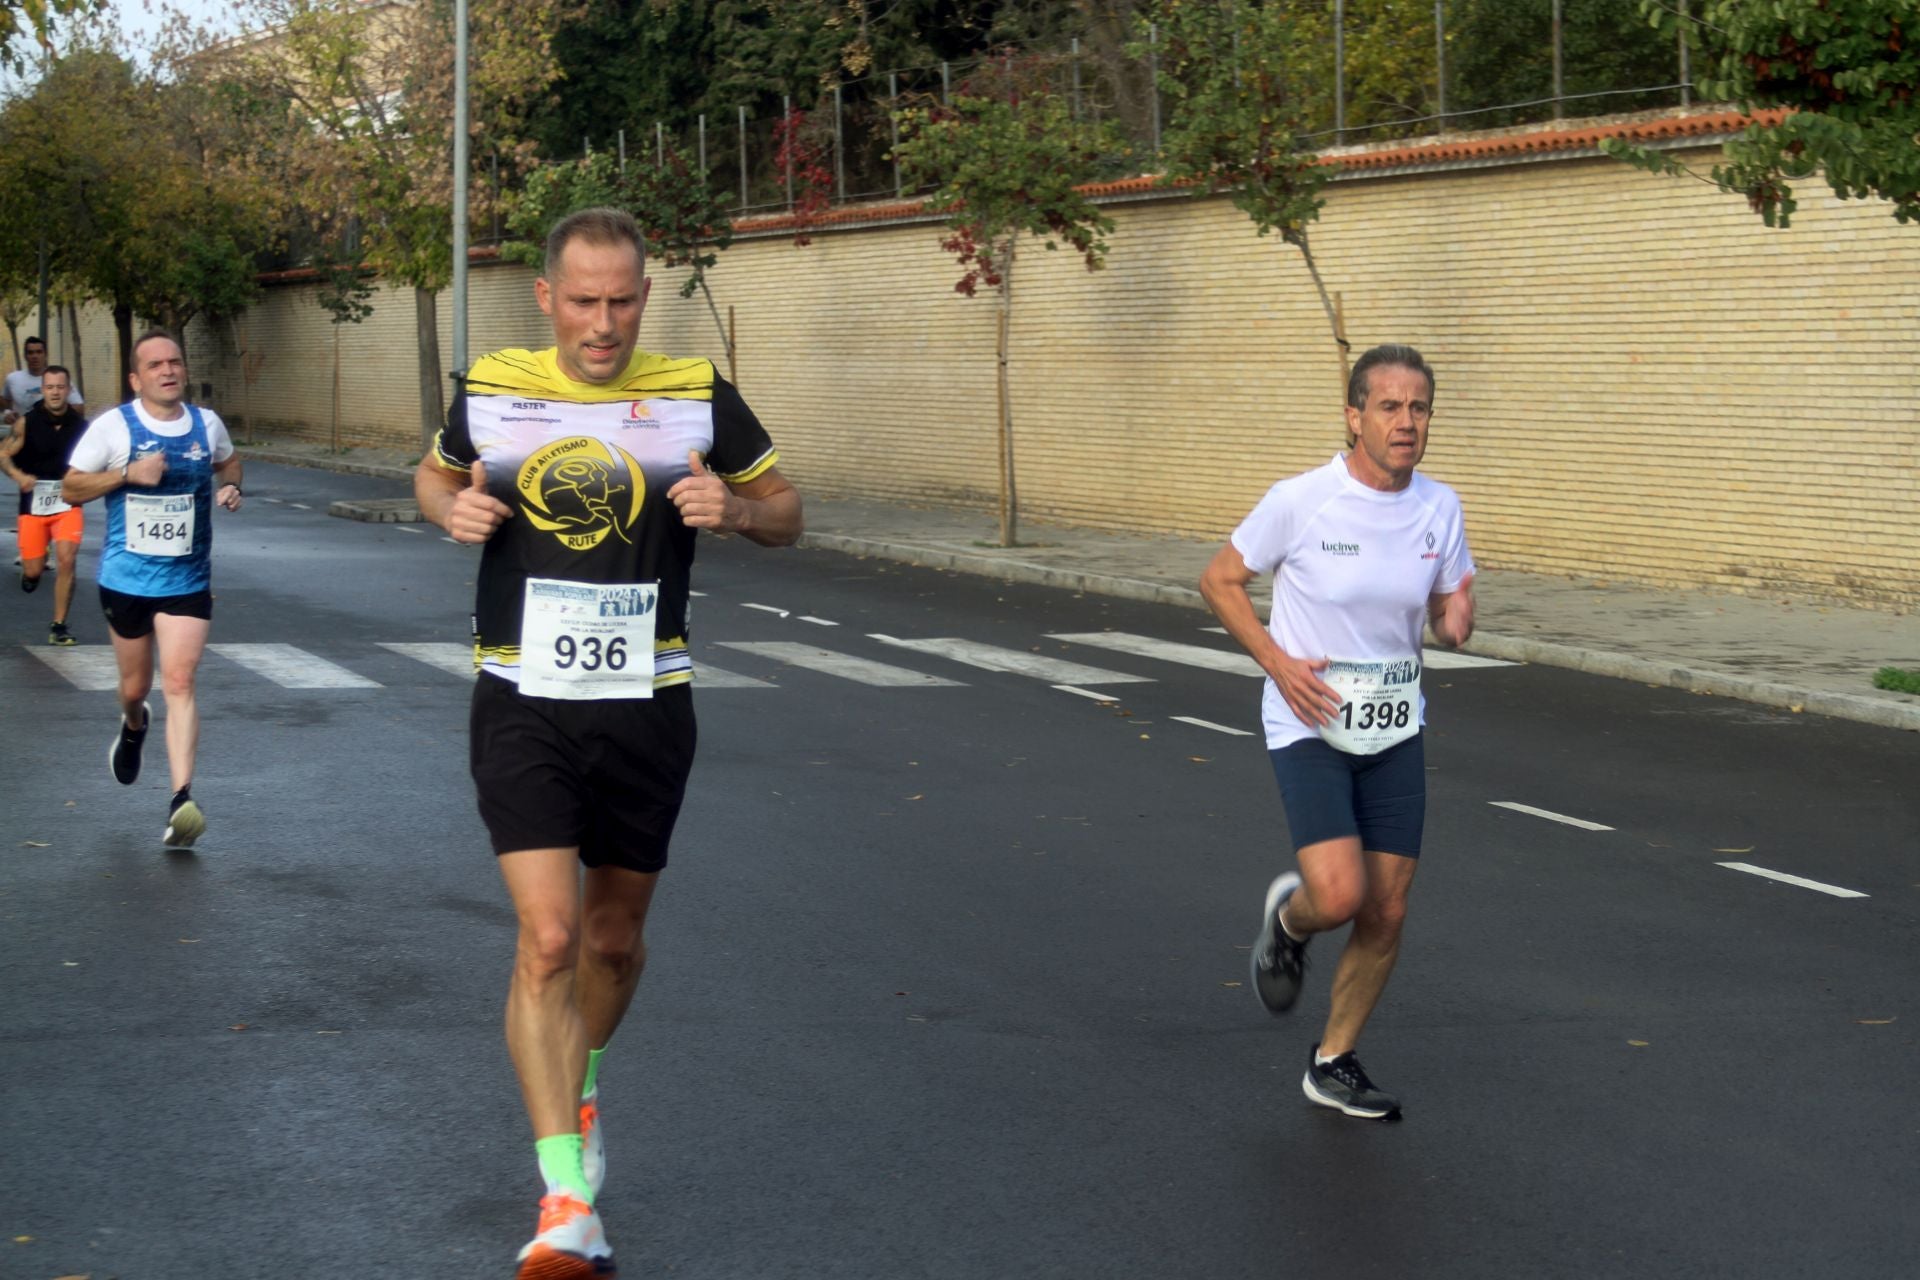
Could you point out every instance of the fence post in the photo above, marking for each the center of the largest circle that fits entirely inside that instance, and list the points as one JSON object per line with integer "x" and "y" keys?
{"x": 623, "y": 153}
{"x": 1153, "y": 81}
{"x": 1686, "y": 71}
{"x": 1340, "y": 71}
{"x": 786, "y": 128}
{"x": 1440, "y": 62}
{"x": 1075, "y": 57}
{"x": 496, "y": 202}
{"x": 703, "y": 151}
{"x": 946, "y": 85}
{"x": 839, "y": 149}
{"x": 1559, "y": 83}
{"x": 743, "y": 157}
{"x": 659, "y": 145}
{"x": 893, "y": 129}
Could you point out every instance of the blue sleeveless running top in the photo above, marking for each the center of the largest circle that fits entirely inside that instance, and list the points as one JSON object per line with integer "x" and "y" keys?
{"x": 188, "y": 483}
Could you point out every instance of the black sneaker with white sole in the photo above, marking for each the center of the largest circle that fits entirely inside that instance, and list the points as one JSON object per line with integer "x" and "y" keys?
{"x": 1343, "y": 1085}
{"x": 124, "y": 756}
{"x": 1278, "y": 962}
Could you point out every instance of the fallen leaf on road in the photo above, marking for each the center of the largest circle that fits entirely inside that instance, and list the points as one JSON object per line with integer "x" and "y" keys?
{"x": 1229, "y": 984}
{"x": 73, "y": 804}
{"x": 88, "y": 1276}
{"x": 23, "y": 1239}
{"x": 326, "y": 1033}
{"x": 189, "y": 939}
{"x": 1748, "y": 849}
{"x": 35, "y": 844}
{"x": 1145, "y": 736}
{"x": 71, "y": 964}
{"x": 916, "y": 797}
{"x": 1875, "y": 1022}
{"x": 1201, "y": 759}
{"x": 1638, "y": 1044}
{"x": 238, "y": 1026}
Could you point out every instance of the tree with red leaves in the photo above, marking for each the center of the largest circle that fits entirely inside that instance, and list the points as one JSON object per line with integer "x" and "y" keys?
{"x": 1845, "y": 70}
{"x": 1005, "y": 159}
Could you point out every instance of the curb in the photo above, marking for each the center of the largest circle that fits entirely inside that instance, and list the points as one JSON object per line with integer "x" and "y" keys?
{"x": 1620, "y": 666}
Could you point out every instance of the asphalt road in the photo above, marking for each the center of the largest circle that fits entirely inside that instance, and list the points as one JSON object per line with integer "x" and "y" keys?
{"x": 948, "y": 975}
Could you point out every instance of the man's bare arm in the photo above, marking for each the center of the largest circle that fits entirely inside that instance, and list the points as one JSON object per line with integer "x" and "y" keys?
{"x": 458, "y": 501}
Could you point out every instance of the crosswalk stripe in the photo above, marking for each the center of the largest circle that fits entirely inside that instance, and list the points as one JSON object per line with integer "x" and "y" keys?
{"x": 292, "y": 668}
{"x": 1448, "y": 660}
{"x": 1217, "y": 728}
{"x": 1192, "y": 655}
{"x": 1014, "y": 661}
{"x": 706, "y": 677}
{"x": 844, "y": 665}
{"x": 445, "y": 655}
{"x": 85, "y": 666}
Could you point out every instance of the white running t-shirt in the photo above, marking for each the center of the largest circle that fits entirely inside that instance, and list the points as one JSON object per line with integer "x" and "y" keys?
{"x": 1352, "y": 569}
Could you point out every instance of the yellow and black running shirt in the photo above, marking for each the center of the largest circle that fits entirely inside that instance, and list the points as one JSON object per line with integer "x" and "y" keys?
{"x": 586, "y": 468}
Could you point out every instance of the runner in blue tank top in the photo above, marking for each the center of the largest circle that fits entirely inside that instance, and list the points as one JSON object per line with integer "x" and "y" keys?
{"x": 162, "y": 465}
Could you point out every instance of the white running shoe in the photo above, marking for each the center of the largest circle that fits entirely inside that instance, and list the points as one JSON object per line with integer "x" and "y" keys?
{"x": 570, "y": 1244}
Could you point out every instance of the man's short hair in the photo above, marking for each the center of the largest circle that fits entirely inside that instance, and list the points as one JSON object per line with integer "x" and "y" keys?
{"x": 149, "y": 336}
{"x": 34, "y": 340}
{"x": 60, "y": 369}
{"x": 595, "y": 226}
{"x": 1393, "y": 354}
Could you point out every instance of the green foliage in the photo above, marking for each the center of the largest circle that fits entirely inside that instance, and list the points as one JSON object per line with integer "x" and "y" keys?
{"x": 1007, "y": 163}
{"x": 1501, "y": 52}
{"x": 1241, "y": 86}
{"x": 346, "y": 288}
{"x": 553, "y": 191}
{"x": 33, "y": 20}
{"x": 1897, "y": 679}
{"x": 1847, "y": 71}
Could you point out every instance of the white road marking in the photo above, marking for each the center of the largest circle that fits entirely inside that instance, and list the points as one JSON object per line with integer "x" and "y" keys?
{"x": 696, "y": 593}
{"x": 706, "y": 677}
{"x": 1217, "y": 728}
{"x": 292, "y": 668}
{"x": 1784, "y": 878}
{"x": 1191, "y": 655}
{"x": 269, "y": 499}
{"x": 1219, "y": 631}
{"x": 766, "y": 608}
{"x": 300, "y": 505}
{"x": 455, "y": 541}
{"x": 407, "y": 528}
{"x": 1018, "y": 662}
{"x": 1087, "y": 693}
{"x": 85, "y": 666}
{"x": 844, "y": 665}
{"x": 818, "y": 622}
{"x": 1548, "y": 814}
{"x": 1450, "y": 660}
{"x": 454, "y": 659}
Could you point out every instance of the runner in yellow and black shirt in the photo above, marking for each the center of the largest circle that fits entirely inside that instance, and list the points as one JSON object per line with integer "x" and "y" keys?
{"x": 587, "y": 470}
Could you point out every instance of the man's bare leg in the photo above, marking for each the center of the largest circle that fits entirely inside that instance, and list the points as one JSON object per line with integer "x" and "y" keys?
{"x": 182, "y": 642}
{"x": 1373, "y": 946}
{"x": 546, "y": 1036}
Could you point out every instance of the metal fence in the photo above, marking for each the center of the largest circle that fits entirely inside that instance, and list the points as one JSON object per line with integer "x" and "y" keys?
{"x": 852, "y": 126}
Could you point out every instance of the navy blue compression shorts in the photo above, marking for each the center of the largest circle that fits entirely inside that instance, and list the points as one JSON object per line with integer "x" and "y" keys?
{"x": 1330, "y": 794}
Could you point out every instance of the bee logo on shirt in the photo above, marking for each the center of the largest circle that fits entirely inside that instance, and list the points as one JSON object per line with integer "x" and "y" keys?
{"x": 581, "y": 490}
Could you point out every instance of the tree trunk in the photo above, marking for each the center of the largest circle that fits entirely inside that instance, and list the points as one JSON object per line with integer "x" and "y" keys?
{"x": 1336, "y": 320}
{"x": 335, "y": 432}
{"x": 74, "y": 365}
{"x": 718, "y": 323}
{"x": 433, "y": 405}
{"x": 123, "y": 330}
{"x": 13, "y": 332}
{"x": 1009, "y": 497}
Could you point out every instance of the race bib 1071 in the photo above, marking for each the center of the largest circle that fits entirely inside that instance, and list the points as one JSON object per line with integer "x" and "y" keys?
{"x": 46, "y": 499}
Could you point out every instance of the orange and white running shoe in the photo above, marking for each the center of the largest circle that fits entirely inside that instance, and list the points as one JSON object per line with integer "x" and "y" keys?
{"x": 593, "y": 1144}
{"x": 570, "y": 1244}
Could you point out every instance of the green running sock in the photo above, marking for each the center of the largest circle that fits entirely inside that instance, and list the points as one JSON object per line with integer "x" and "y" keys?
{"x": 560, "y": 1166}
{"x": 593, "y": 1072}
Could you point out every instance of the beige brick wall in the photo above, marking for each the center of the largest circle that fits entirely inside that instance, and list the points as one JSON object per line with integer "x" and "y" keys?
{"x": 1638, "y": 380}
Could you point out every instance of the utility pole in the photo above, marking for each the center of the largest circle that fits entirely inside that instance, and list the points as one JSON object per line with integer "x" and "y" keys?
{"x": 460, "y": 186}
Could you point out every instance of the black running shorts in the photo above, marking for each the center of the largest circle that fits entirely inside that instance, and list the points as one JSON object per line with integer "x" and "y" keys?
{"x": 606, "y": 777}
{"x": 131, "y": 617}
{"x": 1333, "y": 794}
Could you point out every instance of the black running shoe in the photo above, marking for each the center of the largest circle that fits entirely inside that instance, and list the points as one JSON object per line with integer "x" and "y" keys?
{"x": 58, "y": 634}
{"x": 1278, "y": 961}
{"x": 1343, "y": 1085}
{"x": 28, "y": 585}
{"x": 124, "y": 758}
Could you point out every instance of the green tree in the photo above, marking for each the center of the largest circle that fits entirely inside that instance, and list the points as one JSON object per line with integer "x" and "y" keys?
{"x": 1500, "y": 52}
{"x": 32, "y": 21}
{"x": 1845, "y": 71}
{"x": 371, "y": 92}
{"x": 1242, "y": 86}
{"x": 1005, "y": 160}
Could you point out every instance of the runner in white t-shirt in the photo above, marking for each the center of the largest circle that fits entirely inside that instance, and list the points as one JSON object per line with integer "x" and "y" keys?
{"x": 20, "y": 390}
{"x": 1364, "y": 552}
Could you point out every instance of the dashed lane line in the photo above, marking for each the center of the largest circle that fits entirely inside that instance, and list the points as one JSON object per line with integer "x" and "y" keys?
{"x": 1217, "y": 728}
{"x": 818, "y": 622}
{"x": 1784, "y": 878}
{"x": 1087, "y": 693}
{"x": 1192, "y": 655}
{"x": 767, "y": 608}
{"x": 1019, "y": 662}
{"x": 845, "y": 665}
{"x": 1549, "y": 815}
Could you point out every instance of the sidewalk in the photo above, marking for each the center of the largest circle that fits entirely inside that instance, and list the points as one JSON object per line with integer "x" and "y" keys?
{"x": 1796, "y": 654}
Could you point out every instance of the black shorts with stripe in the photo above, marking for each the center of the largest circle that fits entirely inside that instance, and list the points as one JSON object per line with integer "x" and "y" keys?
{"x": 606, "y": 776}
